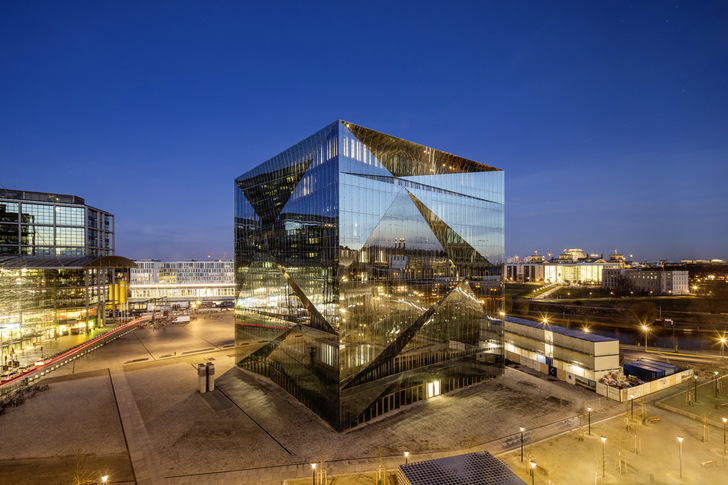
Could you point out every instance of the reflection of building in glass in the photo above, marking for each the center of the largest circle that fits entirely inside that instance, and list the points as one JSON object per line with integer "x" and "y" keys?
{"x": 572, "y": 266}
{"x": 369, "y": 272}
{"x": 53, "y": 224}
{"x": 179, "y": 282}
{"x": 657, "y": 282}
{"x": 48, "y": 296}
{"x": 574, "y": 356}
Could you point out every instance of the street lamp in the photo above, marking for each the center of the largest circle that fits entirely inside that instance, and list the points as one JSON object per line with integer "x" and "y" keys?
{"x": 604, "y": 456}
{"x": 722, "y": 344}
{"x": 522, "y": 430}
{"x": 725, "y": 420}
{"x": 679, "y": 440}
{"x": 313, "y": 473}
{"x": 406, "y": 457}
{"x": 645, "y": 329}
{"x": 716, "y": 383}
{"x": 631, "y": 413}
{"x": 533, "y": 472}
{"x": 104, "y": 478}
{"x": 589, "y": 411}
{"x": 695, "y": 381}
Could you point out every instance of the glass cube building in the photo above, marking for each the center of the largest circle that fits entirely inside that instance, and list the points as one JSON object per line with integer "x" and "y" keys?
{"x": 369, "y": 272}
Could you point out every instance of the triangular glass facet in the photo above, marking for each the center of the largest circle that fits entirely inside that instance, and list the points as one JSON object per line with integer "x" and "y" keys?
{"x": 268, "y": 192}
{"x": 459, "y": 251}
{"x": 355, "y": 157}
{"x": 487, "y": 186}
{"x": 363, "y": 202}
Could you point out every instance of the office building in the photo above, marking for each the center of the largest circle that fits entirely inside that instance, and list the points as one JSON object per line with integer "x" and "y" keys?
{"x": 58, "y": 271}
{"x": 368, "y": 272}
{"x": 572, "y": 355}
{"x": 652, "y": 281}
{"x": 39, "y": 223}
{"x": 573, "y": 266}
{"x": 182, "y": 283}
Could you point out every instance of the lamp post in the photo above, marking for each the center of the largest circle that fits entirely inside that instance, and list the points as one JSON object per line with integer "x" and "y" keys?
{"x": 589, "y": 417}
{"x": 604, "y": 456}
{"x": 722, "y": 344}
{"x": 645, "y": 329}
{"x": 104, "y": 478}
{"x": 406, "y": 457}
{"x": 716, "y": 383}
{"x": 679, "y": 440}
{"x": 695, "y": 391}
{"x": 313, "y": 473}
{"x": 631, "y": 412}
{"x": 533, "y": 472}
{"x": 522, "y": 430}
{"x": 725, "y": 420}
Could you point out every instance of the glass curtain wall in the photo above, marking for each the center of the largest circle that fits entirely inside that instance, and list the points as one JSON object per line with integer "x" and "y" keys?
{"x": 369, "y": 272}
{"x": 46, "y": 303}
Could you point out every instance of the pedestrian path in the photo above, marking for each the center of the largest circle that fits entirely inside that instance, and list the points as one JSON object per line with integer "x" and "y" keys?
{"x": 145, "y": 462}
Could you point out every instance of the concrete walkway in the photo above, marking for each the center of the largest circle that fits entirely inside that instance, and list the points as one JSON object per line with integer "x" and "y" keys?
{"x": 144, "y": 460}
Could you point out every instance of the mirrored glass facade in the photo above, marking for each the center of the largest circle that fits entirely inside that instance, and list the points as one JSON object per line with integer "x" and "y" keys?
{"x": 369, "y": 272}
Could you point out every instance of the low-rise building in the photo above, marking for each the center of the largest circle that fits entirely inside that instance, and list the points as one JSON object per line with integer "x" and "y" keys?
{"x": 572, "y": 266}
{"x": 182, "y": 282}
{"x": 654, "y": 281}
{"x": 574, "y": 356}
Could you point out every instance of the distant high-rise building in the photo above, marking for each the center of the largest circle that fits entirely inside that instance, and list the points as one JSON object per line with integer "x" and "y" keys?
{"x": 40, "y": 223}
{"x": 369, "y": 272}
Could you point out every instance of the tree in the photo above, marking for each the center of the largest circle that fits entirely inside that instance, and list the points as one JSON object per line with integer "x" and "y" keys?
{"x": 716, "y": 296}
{"x": 644, "y": 311}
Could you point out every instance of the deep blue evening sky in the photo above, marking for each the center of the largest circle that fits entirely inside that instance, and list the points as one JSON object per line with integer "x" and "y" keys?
{"x": 609, "y": 118}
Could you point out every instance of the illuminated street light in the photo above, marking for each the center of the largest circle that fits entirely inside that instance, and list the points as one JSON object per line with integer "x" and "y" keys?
{"x": 725, "y": 420}
{"x": 645, "y": 329}
{"x": 104, "y": 478}
{"x": 722, "y": 341}
{"x": 631, "y": 413}
{"x": 522, "y": 430}
{"x": 406, "y": 456}
{"x": 679, "y": 440}
{"x": 313, "y": 473}
{"x": 589, "y": 411}
{"x": 695, "y": 381}
{"x": 716, "y": 383}
{"x": 533, "y": 472}
{"x": 604, "y": 456}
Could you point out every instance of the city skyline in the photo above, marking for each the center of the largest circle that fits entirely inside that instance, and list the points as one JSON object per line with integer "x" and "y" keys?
{"x": 609, "y": 120}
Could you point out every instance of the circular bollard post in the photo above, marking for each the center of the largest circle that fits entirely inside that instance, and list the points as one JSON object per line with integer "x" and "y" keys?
{"x": 201, "y": 377}
{"x": 210, "y": 377}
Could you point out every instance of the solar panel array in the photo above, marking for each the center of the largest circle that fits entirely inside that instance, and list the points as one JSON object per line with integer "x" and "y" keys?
{"x": 479, "y": 468}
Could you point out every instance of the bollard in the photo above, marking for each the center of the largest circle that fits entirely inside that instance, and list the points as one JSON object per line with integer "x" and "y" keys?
{"x": 210, "y": 377}
{"x": 201, "y": 373}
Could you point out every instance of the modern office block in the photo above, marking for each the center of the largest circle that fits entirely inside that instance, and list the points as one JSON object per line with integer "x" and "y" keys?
{"x": 58, "y": 271}
{"x": 40, "y": 223}
{"x": 369, "y": 272}
{"x": 182, "y": 282}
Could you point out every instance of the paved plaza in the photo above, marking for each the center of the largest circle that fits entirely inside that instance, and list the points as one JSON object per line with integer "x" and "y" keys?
{"x": 131, "y": 410}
